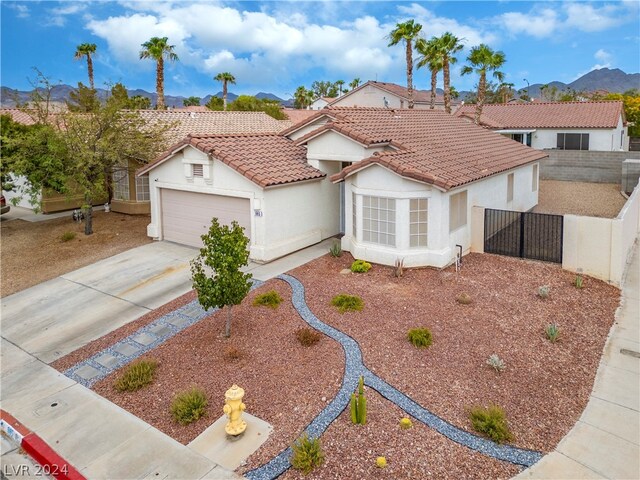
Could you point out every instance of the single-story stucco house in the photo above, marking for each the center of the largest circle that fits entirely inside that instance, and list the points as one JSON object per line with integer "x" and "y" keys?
{"x": 395, "y": 183}
{"x": 321, "y": 102}
{"x": 558, "y": 125}
{"x": 388, "y": 95}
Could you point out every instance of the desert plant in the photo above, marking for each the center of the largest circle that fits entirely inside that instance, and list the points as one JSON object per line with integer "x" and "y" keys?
{"x": 495, "y": 362}
{"x": 347, "y": 303}
{"x": 543, "y": 291}
{"x": 271, "y": 299}
{"x": 360, "y": 266}
{"x": 464, "y": 298}
{"x": 579, "y": 281}
{"x": 136, "y": 375}
{"x": 233, "y": 353}
{"x": 359, "y": 405}
{"x": 68, "y": 236}
{"x": 491, "y": 422}
{"x": 552, "y": 331}
{"x": 420, "y": 337}
{"x": 398, "y": 271}
{"x": 308, "y": 336}
{"x": 381, "y": 462}
{"x": 335, "y": 250}
{"x": 189, "y": 406}
{"x": 307, "y": 454}
{"x": 405, "y": 423}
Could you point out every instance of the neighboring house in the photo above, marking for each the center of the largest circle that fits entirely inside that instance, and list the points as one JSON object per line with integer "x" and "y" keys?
{"x": 131, "y": 193}
{"x": 297, "y": 115}
{"x": 561, "y": 125}
{"x": 396, "y": 183}
{"x": 320, "y": 103}
{"x": 391, "y": 95}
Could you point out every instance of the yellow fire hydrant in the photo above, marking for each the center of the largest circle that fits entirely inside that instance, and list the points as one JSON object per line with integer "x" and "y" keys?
{"x": 233, "y": 409}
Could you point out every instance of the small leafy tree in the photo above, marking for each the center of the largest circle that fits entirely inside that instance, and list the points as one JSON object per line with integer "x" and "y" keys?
{"x": 215, "y": 103}
{"x": 191, "y": 102}
{"x": 216, "y": 271}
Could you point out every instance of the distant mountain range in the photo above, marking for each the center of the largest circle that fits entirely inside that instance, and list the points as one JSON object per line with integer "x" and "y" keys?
{"x": 610, "y": 80}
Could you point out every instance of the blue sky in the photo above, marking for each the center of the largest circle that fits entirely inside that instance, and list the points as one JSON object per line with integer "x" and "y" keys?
{"x": 275, "y": 46}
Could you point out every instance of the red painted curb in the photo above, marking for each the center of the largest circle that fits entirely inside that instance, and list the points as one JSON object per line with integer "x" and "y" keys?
{"x": 52, "y": 464}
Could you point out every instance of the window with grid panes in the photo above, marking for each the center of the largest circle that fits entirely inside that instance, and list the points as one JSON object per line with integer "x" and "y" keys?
{"x": 418, "y": 222}
{"x": 121, "y": 185}
{"x": 379, "y": 220}
{"x": 142, "y": 189}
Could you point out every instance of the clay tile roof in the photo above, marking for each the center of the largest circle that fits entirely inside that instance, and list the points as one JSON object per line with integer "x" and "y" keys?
{"x": 18, "y": 116}
{"x": 265, "y": 159}
{"x": 603, "y": 114}
{"x": 433, "y": 146}
{"x": 213, "y": 122}
{"x": 298, "y": 115}
{"x": 419, "y": 96}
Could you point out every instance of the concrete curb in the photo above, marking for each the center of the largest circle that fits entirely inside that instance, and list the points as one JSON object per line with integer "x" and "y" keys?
{"x": 52, "y": 463}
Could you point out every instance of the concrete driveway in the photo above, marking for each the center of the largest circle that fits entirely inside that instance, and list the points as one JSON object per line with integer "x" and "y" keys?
{"x": 56, "y": 317}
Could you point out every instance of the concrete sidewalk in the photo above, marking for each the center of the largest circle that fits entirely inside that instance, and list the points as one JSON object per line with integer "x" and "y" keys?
{"x": 605, "y": 443}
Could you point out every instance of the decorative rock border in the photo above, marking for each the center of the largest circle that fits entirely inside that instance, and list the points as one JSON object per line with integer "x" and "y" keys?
{"x": 121, "y": 353}
{"x": 355, "y": 367}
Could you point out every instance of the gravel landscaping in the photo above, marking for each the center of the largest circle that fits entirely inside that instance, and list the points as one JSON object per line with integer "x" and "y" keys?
{"x": 580, "y": 198}
{"x": 543, "y": 389}
{"x": 33, "y": 252}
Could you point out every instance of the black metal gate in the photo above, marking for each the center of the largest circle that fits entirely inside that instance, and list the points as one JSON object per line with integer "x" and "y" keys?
{"x": 523, "y": 234}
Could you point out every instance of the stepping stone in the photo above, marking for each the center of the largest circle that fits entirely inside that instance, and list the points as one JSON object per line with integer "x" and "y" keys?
{"x": 107, "y": 360}
{"x": 145, "y": 339}
{"x": 345, "y": 271}
{"x": 160, "y": 330}
{"x": 178, "y": 321}
{"x": 193, "y": 310}
{"x": 87, "y": 372}
{"x": 126, "y": 349}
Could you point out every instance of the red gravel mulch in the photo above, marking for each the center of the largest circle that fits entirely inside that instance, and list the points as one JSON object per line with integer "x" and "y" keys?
{"x": 545, "y": 386}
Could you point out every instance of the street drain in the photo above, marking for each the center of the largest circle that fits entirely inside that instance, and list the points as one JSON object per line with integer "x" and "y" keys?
{"x": 631, "y": 353}
{"x": 54, "y": 404}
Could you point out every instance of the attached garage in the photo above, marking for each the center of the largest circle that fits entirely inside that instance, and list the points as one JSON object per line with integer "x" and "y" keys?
{"x": 187, "y": 215}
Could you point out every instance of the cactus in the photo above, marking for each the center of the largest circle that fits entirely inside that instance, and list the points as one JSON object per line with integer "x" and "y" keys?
{"x": 359, "y": 405}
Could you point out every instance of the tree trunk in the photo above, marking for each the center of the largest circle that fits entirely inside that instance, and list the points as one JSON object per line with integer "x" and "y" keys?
{"x": 447, "y": 88}
{"x": 90, "y": 71}
{"x": 434, "y": 85}
{"x": 224, "y": 95}
{"x": 160, "y": 84}
{"x": 410, "y": 73}
{"x": 227, "y": 329}
{"x": 482, "y": 90}
{"x": 88, "y": 215}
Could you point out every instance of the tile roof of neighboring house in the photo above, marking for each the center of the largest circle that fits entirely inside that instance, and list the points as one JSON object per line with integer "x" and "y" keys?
{"x": 431, "y": 145}
{"x": 298, "y": 115}
{"x": 265, "y": 159}
{"x": 213, "y": 122}
{"x": 604, "y": 114}
{"x": 191, "y": 108}
{"x": 419, "y": 96}
{"x": 18, "y": 116}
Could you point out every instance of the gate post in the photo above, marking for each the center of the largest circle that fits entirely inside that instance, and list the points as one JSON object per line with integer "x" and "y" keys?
{"x": 522, "y": 215}
{"x": 477, "y": 229}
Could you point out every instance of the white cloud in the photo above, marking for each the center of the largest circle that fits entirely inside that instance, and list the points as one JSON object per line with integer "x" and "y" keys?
{"x": 602, "y": 56}
{"x": 588, "y": 18}
{"x": 58, "y": 15}
{"x": 539, "y": 25}
{"x": 22, "y": 11}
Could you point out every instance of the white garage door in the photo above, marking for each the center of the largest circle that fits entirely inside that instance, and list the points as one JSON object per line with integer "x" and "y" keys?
{"x": 187, "y": 215}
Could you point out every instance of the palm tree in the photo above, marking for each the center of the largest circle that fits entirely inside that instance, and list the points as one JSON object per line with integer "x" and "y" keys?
{"x": 86, "y": 50}
{"x": 355, "y": 83}
{"x": 482, "y": 60}
{"x": 303, "y": 97}
{"x": 431, "y": 57}
{"x": 339, "y": 84}
{"x": 158, "y": 49}
{"x": 225, "y": 78}
{"x": 407, "y": 32}
{"x": 449, "y": 45}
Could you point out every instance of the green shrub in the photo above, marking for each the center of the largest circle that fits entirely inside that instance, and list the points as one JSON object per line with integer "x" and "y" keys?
{"x": 308, "y": 336}
{"x": 495, "y": 362}
{"x": 491, "y": 422}
{"x": 68, "y": 236}
{"x": 360, "y": 266}
{"x": 136, "y": 375}
{"x": 347, "y": 303}
{"x": 335, "y": 250}
{"x": 307, "y": 454}
{"x": 579, "y": 282}
{"x": 269, "y": 299}
{"x": 189, "y": 406}
{"x": 406, "y": 423}
{"x": 544, "y": 291}
{"x": 420, "y": 337}
{"x": 552, "y": 331}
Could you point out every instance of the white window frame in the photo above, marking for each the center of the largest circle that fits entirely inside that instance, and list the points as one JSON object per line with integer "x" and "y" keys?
{"x": 121, "y": 185}
{"x": 143, "y": 193}
{"x": 416, "y": 220}
{"x": 457, "y": 211}
{"x": 379, "y": 220}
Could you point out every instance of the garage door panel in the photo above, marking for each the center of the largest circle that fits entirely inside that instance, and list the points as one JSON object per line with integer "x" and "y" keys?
{"x": 187, "y": 215}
